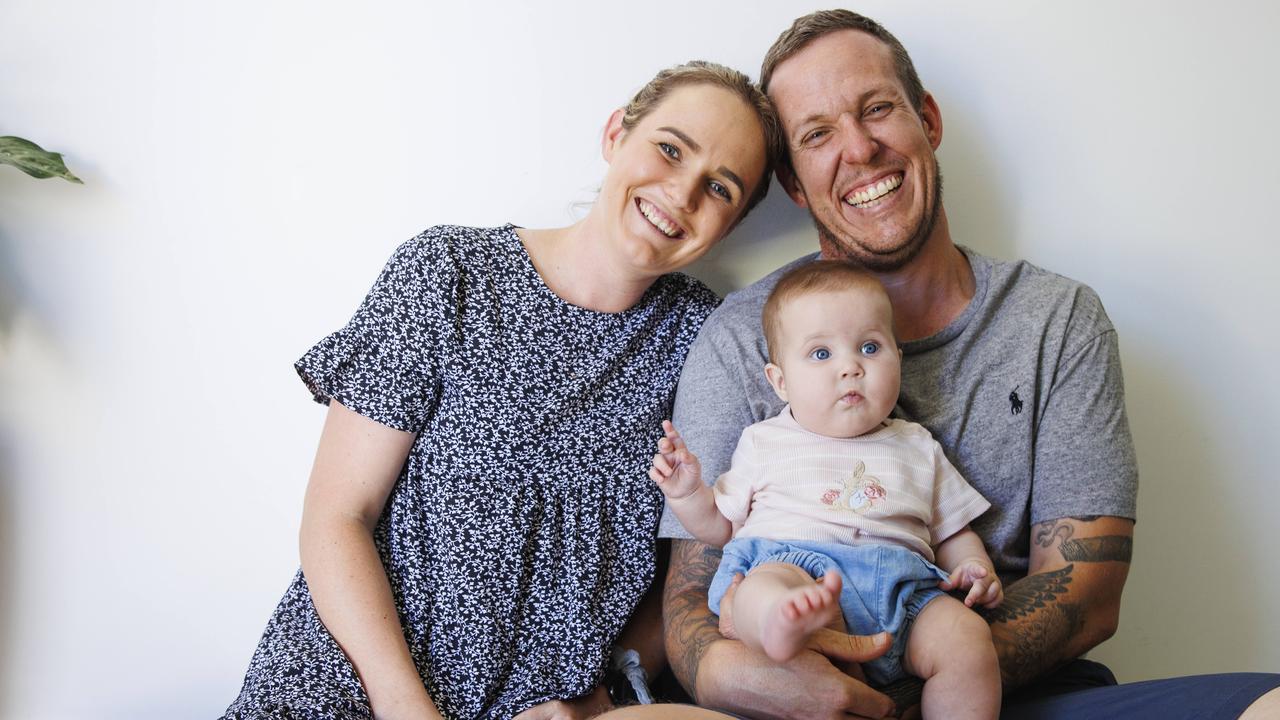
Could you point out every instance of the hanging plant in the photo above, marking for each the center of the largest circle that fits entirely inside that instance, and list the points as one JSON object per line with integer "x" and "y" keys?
{"x": 34, "y": 160}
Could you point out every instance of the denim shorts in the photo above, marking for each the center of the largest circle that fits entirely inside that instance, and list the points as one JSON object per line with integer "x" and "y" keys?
{"x": 885, "y": 587}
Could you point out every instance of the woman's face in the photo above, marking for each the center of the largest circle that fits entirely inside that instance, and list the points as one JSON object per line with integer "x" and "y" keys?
{"x": 681, "y": 177}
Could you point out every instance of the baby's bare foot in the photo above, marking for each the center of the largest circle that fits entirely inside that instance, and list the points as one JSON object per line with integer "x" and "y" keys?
{"x": 798, "y": 614}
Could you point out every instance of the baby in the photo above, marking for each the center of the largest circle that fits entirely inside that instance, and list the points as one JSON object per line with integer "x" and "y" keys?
{"x": 833, "y": 507}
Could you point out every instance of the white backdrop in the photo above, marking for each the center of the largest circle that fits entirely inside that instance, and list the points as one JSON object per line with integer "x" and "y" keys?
{"x": 250, "y": 165}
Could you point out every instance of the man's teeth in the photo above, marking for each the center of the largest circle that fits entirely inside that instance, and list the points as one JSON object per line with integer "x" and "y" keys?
{"x": 863, "y": 198}
{"x": 658, "y": 221}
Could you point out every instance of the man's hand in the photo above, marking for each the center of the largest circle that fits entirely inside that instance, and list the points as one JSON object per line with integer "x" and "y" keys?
{"x": 722, "y": 673}
{"x": 980, "y": 579}
{"x": 576, "y": 709}
{"x": 675, "y": 469}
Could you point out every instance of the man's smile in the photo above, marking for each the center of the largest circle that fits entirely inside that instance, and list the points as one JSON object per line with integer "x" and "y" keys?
{"x": 868, "y": 195}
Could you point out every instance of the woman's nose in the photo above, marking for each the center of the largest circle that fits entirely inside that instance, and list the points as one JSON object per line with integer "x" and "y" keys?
{"x": 683, "y": 192}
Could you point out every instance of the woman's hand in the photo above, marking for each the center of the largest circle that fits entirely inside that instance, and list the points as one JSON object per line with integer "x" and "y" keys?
{"x": 576, "y": 709}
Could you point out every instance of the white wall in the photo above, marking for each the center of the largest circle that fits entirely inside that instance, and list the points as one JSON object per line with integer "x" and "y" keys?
{"x": 249, "y": 166}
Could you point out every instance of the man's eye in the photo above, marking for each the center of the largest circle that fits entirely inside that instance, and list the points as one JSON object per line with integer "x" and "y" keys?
{"x": 669, "y": 150}
{"x": 719, "y": 189}
{"x": 813, "y": 137}
{"x": 820, "y": 354}
{"x": 878, "y": 109}
{"x": 870, "y": 348}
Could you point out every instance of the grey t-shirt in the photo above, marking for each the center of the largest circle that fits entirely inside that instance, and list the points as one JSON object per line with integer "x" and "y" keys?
{"x": 1023, "y": 390}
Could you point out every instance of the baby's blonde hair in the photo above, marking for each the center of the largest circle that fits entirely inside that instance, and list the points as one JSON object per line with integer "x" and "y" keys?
{"x": 817, "y": 276}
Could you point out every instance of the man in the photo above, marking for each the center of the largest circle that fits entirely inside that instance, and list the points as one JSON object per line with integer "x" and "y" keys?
{"x": 1015, "y": 371}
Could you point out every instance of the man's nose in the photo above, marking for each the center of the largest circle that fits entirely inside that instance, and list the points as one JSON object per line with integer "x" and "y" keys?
{"x": 858, "y": 145}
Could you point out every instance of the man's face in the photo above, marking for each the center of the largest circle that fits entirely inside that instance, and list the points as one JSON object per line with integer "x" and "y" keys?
{"x": 863, "y": 158}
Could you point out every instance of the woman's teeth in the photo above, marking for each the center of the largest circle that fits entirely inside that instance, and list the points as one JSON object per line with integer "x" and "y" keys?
{"x": 653, "y": 215}
{"x": 868, "y": 195}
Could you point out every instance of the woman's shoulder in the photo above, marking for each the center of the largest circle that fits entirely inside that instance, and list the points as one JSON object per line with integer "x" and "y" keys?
{"x": 443, "y": 250}
{"x": 689, "y": 293}
{"x": 450, "y": 239}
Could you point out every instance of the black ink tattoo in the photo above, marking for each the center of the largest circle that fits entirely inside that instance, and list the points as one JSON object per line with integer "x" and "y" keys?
{"x": 1032, "y": 593}
{"x": 1032, "y": 647}
{"x": 1109, "y": 548}
{"x": 1046, "y": 532}
{"x": 691, "y": 627}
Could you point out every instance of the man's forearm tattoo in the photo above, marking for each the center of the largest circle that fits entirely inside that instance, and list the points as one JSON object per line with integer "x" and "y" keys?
{"x": 684, "y": 609}
{"x": 1117, "y": 548}
{"x": 1032, "y": 648}
{"x": 1031, "y": 594}
{"x": 1106, "y": 548}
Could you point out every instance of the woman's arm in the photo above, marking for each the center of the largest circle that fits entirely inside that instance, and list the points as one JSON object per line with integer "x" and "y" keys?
{"x": 357, "y": 464}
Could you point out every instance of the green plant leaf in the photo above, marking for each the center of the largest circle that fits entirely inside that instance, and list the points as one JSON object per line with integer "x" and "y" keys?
{"x": 34, "y": 160}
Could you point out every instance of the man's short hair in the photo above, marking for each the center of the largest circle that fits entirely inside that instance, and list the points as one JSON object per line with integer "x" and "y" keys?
{"x": 814, "y": 25}
{"x": 815, "y": 277}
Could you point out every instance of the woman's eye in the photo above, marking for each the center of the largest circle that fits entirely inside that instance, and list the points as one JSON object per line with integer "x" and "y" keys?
{"x": 820, "y": 354}
{"x": 669, "y": 150}
{"x": 870, "y": 348}
{"x": 719, "y": 189}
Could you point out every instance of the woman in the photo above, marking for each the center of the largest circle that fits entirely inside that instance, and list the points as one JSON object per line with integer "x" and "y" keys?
{"x": 478, "y": 525}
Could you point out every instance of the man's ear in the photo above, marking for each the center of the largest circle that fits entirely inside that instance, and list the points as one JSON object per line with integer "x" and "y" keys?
{"x": 774, "y": 374}
{"x": 787, "y": 179}
{"x": 931, "y": 117}
{"x": 613, "y": 133}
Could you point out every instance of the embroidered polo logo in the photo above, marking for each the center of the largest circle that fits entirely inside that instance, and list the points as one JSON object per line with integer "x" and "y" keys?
{"x": 859, "y": 494}
{"x": 1015, "y": 402}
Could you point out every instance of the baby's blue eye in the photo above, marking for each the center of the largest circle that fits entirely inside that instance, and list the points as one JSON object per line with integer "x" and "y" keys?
{"x": 820, "y": 354}
{"x": 870, "y": 348}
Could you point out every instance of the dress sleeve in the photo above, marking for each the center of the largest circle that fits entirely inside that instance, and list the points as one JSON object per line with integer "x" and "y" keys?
{"x": 955, "y": 502}
{"x": 383, "y": 364}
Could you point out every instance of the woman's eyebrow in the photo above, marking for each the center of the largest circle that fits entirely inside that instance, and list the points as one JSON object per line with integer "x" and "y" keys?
{"x": 684, "y": 138}
{"x": 733, "y": 177}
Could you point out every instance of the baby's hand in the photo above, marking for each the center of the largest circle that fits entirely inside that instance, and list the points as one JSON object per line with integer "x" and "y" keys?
{"x": 982, "y": 581}
{"x": 675, "y": 469}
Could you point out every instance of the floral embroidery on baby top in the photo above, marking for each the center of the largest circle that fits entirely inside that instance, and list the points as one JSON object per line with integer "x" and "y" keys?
{"x": 859, "y": 494}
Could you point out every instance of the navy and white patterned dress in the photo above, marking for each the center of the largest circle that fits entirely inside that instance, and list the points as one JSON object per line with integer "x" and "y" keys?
{"x": 520, "y": 534}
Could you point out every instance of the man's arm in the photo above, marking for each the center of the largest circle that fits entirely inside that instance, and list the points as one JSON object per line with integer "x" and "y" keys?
{"x": 722, "y": 673}
{"x": 1070, "y": 600}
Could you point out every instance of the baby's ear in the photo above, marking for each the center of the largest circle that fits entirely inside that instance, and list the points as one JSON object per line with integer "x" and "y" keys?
{"x": 774, "y": 374}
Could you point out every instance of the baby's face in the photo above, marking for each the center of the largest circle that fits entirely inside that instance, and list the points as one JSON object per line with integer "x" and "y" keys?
{"x": 839, "y": 365}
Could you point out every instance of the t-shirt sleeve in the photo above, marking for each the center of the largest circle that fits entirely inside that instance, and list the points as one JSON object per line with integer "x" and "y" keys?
{"x": 1084, "y": 457}
{"x": 955, "y": 502}
{"x": 381, "y": 365}
{"x": 734, "y": 488}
